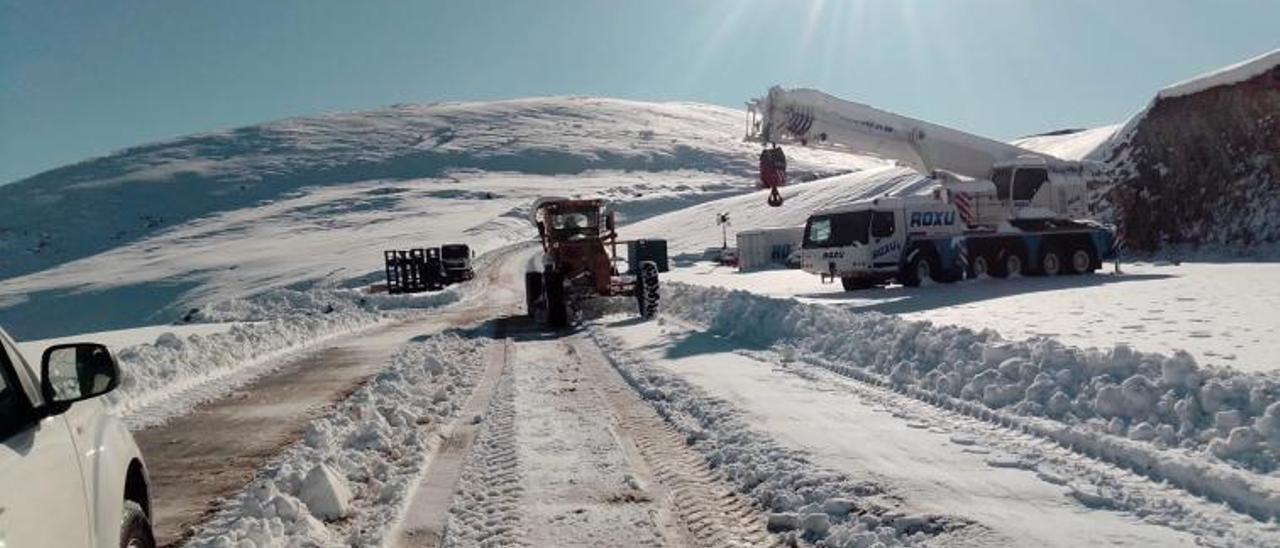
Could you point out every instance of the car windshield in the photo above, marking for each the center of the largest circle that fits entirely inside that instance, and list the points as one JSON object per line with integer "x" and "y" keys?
{"x": 453, "y": 251}
{"x": 839, "y": 229}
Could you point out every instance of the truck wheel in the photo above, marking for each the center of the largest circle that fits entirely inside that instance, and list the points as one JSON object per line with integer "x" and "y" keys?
{"x": 135, "y": 529}
{"x": 981, "y": 266}
{"x": 647, "y": 289}
{"x": 1050, "y": 263}
{"x": 532, "y": 291}
{"x": 852, "y": 283}
{"x": 1081, "y": 261}
{"x": 921, "y": 267}
{"x": 555, "y": 298}
{"x": 1009, "y": 266}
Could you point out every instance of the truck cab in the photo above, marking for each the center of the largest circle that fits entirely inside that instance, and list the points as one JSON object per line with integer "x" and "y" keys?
{"x": 456, "y": 259}
{"x": 71, "y": 474}
{"x": 864, "y": 244}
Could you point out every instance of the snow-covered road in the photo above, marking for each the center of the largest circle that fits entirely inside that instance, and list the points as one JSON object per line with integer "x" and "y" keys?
{"x": 932, "y": 465}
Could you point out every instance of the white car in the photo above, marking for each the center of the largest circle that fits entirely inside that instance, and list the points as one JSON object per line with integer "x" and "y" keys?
{"x": 70, "y": 474}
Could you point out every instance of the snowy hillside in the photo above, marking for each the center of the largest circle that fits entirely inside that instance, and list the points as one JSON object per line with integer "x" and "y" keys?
{"x": 217, "y": 215}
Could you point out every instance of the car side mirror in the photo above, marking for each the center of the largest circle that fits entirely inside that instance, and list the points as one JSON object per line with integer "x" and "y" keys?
{"x": 74, "y": 372}
{"x": 610, "y": 222}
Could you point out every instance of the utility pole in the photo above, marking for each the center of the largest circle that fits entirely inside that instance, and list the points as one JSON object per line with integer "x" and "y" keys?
{"x": 723, "y": 221}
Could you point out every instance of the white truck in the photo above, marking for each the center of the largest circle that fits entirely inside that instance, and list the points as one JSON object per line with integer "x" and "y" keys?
{"x": 70, "y": 474}
{"x": 996, "y": 209}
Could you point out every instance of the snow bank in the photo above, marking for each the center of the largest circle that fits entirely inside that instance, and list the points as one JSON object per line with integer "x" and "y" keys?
{"x": 169, "y": 376}
{"x": 801, "y": 499}
{"x": 1162, "y": 416}
{"x": 344, "y": 483}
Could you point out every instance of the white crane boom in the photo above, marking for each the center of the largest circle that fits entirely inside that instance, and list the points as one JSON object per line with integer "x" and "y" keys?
{"x": 812, "y": 118}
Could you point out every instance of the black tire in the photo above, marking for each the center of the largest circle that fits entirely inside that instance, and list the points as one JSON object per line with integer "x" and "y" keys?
{"x": 852, "y": 283}
{"x": 647, "y": 285}
{"x": 555, "y": 299}
{"x": 1050, "y": 263}
{"x": 532, "y": 292}
{"x": 135, "y": 528}
{"x": 924, "y": 265}
{"x": 980, "y": 267}
{"x": 1081, "y": 261}
{"x": 1009, "y": 264}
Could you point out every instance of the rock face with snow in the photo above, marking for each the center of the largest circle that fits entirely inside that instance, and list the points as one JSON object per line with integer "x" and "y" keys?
{"x": 1201, "y": 166}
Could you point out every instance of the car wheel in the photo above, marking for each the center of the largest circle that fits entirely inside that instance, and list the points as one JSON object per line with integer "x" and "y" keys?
{"x": 135, "y": 529}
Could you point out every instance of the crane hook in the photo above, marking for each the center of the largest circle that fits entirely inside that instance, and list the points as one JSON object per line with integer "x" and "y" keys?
{"x": 773, "y": 172}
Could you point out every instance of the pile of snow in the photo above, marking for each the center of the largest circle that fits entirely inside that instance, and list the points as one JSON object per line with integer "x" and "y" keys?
{"x": 802, "y": 500}
{"x": 1160, "y": 415}
{"x": 345, "y": 482}
{"x": 168, "y": 377}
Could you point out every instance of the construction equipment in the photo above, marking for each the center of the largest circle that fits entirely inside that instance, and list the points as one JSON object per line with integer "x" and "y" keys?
{"x": 996, "y": 209}
{"x": 580, "y": 249}
{"x": 457, "y": 262}
{"x": 414, "y": 270}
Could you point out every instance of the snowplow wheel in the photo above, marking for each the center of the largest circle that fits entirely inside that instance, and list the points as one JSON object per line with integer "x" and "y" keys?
{"x": 556, "y": 300}
{"x": 647, "y": 289}
{"x": 532, "y": 291}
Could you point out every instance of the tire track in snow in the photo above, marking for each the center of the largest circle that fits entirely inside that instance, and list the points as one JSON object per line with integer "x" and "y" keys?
{"x": 713, "y": 515}
{"x": 486, "y": 509}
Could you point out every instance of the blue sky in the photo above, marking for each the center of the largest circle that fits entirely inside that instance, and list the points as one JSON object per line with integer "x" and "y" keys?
{"x": 83, "y": 78}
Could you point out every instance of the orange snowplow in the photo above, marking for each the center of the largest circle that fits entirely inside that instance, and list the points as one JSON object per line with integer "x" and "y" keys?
{"x": 580, "y": 249}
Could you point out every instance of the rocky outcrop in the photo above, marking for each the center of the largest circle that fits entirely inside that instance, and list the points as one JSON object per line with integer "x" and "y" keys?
{"x": 1201, "y": 166}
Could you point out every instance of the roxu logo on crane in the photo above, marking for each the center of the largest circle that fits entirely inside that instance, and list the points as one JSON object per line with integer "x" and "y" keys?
{"x": 932, "y": 218}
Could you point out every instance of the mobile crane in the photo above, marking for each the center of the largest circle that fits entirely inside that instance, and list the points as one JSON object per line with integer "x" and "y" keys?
{"x": 996, "y": 209}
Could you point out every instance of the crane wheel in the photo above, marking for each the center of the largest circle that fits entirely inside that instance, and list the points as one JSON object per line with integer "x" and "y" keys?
{"x": 1081, "y": 261}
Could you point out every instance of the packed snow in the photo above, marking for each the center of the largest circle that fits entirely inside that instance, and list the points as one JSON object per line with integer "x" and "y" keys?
{"x": 175, "y": 372}
{"x": 802, "y": 500}
{"x": 346, "y": 481}
{"x": 1024, "y": 489}
{"x": 1214, "y": 430}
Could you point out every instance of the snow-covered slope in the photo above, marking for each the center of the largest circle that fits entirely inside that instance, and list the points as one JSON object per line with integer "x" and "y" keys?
{"x": 689, "y": 231}
{"x": 1085, "y": 144}
{"x": 136, "y": 235}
